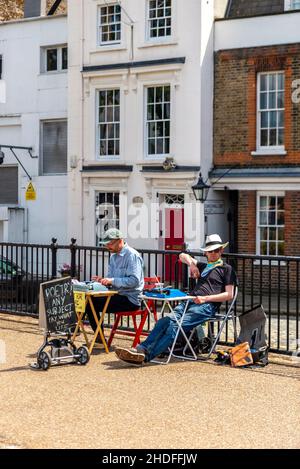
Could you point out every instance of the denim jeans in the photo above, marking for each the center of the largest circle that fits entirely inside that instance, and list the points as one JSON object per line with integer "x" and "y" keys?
{"x": 164, "y": 332}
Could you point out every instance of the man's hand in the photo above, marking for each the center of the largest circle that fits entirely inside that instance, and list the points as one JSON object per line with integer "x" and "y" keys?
{"x": 200, "y": 300}
{"x": 106, "y": 281}
{"x": 96, "y": 278}
{"x": 194, "y": 271}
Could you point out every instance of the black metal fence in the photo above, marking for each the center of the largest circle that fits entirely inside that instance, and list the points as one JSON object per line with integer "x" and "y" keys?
{"x": 271, "y": 281}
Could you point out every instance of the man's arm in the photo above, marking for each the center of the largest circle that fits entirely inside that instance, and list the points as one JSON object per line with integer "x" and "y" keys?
{"x": 227, "y": 295}
{"x": 130, "y": 279}
{"x": 187, "y": 259}
{"x": 191, "y": 262}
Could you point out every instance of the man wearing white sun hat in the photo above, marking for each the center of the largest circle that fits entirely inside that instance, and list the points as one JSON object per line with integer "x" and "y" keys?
{"x": 215, "y": 284}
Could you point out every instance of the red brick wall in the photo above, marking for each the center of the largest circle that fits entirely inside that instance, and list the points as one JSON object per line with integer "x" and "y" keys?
{"x": 268, "y": 277}
{"x": 292, "y": 223}
{"x": 246, "y": 227}
{"x": 247, "y": 222}
{"x": 235, "y": 104}
{"x": 235, "y": 115}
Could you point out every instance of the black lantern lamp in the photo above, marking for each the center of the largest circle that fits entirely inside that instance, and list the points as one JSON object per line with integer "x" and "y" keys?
{"x": 201, "y": 190}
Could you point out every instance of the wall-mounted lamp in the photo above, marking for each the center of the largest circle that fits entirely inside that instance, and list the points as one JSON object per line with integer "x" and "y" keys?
{"x": 12, "y": 148}
{"x": 201, "y": 189}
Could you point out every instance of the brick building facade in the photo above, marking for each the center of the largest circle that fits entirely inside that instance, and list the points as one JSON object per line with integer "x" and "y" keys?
{"x": 257, "y": 135}
{"x": 235, "y": 128}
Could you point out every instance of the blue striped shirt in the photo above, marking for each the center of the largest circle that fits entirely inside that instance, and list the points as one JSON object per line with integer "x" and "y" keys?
{"x": 126, "y": 270}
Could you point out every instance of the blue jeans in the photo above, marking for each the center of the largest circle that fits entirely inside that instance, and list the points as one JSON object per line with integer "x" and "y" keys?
{"x": 164, "y": 332}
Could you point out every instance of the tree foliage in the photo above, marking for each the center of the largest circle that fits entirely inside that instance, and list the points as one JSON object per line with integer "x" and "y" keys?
{"x": 14, "y": 9}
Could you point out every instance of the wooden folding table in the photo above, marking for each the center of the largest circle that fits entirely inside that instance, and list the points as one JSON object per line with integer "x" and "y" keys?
{"x": 89, "y": 296}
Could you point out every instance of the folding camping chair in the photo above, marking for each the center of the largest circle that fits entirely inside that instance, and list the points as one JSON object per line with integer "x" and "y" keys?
{"x": 221, "y": 319}
{"x": 150, "y": 283}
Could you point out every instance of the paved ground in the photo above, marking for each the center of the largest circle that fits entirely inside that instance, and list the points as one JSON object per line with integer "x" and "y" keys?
{"x": 109, "y": 405}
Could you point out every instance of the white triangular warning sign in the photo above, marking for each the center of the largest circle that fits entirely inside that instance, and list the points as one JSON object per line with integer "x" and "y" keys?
{"x": 30, "y": 192}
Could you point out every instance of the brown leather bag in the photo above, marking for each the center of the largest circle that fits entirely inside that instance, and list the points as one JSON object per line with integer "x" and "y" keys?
{"x": 240, "y": 355}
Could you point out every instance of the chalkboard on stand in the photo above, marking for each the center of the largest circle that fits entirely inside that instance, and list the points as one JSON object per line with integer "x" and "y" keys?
{"x": 56, "y": 307}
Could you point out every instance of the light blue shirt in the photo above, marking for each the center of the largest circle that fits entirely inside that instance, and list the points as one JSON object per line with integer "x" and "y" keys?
{"x": 126, "y": 270}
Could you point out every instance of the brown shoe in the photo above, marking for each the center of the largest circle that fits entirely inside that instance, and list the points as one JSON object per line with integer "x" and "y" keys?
{"x": 130, "y": 356}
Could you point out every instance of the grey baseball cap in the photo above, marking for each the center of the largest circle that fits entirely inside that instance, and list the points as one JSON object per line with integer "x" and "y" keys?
{"x": 111, "y": 235}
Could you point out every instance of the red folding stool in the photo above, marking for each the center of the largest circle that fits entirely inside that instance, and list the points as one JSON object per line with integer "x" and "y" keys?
{"x": 150, "y": 283}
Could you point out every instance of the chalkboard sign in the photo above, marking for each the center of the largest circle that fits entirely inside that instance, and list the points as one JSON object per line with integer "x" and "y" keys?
{"x": 56, "y": 307}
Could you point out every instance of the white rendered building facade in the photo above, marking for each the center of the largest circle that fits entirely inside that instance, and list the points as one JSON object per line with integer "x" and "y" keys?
{"x": 140, "y": 119}
{"x": 33, "y": 113}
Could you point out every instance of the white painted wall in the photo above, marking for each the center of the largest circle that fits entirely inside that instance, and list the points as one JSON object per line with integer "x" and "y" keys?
{"x": 30, "y": 98}
{"x": 257, "y": 31}
{"x": 191, "y": 87}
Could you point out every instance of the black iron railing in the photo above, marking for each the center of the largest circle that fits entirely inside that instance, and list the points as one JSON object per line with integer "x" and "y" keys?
{"x": 271, "y": 281}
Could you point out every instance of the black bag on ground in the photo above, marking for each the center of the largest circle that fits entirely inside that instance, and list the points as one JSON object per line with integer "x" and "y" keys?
{"x": 252, "y": 324}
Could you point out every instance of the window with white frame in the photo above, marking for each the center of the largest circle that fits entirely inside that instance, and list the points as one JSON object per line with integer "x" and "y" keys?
{"x": 107, "y": 210}
{"x": 54, "y": 144}
{"x": 292, "y": 5}
{"x": 159, "y": 20}
{"x": 271, "y": 225}
{"x": 54, "y": 59}
{"x": 109, "y": 123}
{"x": 158, "y": 120}
{"x": 271, "y": 110}
{"x": 110, "y": 24}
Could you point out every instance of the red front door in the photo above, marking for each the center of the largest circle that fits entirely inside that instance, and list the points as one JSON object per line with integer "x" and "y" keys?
{"x": 174, "y": 241}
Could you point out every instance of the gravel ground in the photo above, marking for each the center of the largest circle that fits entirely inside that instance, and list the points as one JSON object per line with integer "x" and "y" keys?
{"x": 107, "y": 404}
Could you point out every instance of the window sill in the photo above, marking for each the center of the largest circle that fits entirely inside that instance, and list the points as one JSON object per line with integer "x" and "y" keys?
{"x": 53, "y": 174}
{"x": 107, "y": 159}
{"x": 269, "y": 152}
{"x": 53, "y": 72}
{"x": 108, "y": 48}
{"x": 158, "y": 157}
{"x": 169, "y": 42}
{"x": 104, "y": 161}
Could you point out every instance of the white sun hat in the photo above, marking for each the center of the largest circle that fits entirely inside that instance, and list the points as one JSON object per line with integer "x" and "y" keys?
{"x": 213, "y": 242}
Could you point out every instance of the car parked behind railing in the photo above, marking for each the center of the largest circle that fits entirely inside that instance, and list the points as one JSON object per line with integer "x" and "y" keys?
{"x": 19, "y": 289}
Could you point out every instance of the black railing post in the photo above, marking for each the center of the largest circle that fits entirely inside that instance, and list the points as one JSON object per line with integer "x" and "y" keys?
{"x": 73, "y": 249}
{"x": 53, "y": 248}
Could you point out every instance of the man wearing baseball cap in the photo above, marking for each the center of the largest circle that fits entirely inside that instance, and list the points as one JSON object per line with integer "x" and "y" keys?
{"x": 125, "y": 274}
{"x": 215, "y": 284}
